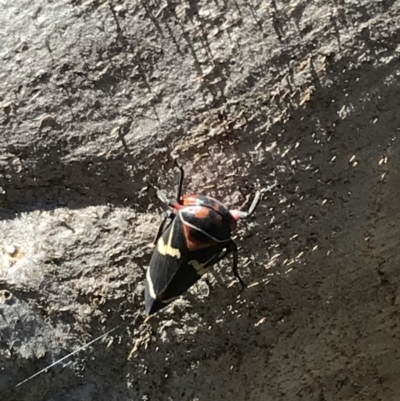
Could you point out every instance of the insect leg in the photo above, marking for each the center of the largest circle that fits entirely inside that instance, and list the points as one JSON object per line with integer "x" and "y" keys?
{"x": 162, "y": 197}
{"x": 254, "y": 204}
{"x": 232, "y": 247}
{"x": 240, "y": 214}
{"x": 167, "y": 215}
{"x": 160, "y": 194}
{"x": 234, "y": 250}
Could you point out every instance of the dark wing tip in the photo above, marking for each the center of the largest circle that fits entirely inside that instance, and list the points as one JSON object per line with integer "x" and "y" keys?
{"x": 154, "y": 305}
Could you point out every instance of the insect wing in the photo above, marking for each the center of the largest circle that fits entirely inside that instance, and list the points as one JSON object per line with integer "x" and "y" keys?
{"x": 174, "y": 269}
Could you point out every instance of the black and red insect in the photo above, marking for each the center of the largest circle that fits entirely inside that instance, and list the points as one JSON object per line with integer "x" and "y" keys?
{"x": 191, "y": 238}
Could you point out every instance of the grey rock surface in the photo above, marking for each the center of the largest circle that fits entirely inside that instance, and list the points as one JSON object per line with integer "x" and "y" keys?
{"x": 298, "y": 99}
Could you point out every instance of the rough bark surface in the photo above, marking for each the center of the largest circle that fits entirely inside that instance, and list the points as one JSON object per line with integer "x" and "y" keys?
{"x": 297, "y": 98}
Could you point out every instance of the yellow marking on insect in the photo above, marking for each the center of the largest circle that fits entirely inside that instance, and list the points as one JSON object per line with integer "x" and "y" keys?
{"x": 199, "y": 267}
{"x": 150, "y": 284}
{"x": 167, "y": 249}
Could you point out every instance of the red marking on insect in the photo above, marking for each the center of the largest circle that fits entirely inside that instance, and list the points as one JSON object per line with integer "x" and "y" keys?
{"x": 233, "y": 225}
{"x": 203, "y": 213}
{"x": 190, "y": 200}
{"x": 236, "y": 214}
{"x": 192, "y": 243}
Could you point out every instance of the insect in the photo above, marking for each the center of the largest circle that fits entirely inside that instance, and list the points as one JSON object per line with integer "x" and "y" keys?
{"x": 193, "y": 236}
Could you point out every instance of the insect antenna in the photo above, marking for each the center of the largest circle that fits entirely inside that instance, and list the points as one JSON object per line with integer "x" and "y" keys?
{"x": 240, "y": 214}
{"x": 180, "y": 182}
